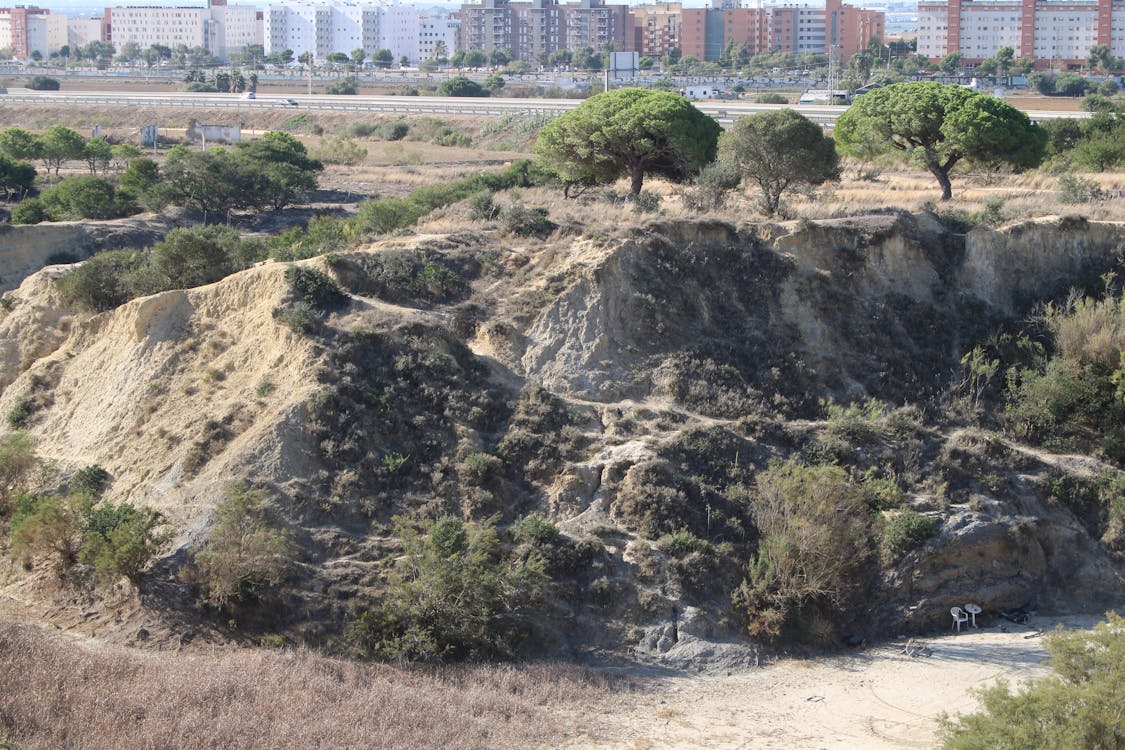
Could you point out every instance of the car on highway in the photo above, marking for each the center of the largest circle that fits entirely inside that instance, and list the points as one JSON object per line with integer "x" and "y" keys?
{"x": 289, "y": 102}
{"x": 249, "y": 95}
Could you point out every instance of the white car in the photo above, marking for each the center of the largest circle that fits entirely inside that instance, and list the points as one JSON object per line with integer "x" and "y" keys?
{"x": 290, "y": 102}
{"x": 249, "y": 95}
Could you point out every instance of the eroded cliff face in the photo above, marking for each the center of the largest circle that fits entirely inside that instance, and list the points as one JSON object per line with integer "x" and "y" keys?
{"x": 627, "y": 387}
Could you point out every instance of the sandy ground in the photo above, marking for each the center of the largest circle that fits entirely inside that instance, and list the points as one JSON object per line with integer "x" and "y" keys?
{"x": 875, "y": 699}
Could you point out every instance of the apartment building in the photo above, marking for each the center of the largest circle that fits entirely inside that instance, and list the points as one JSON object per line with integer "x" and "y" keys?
{"x": 31, "y": 29}
{"x": 532, "y": 29}
{"x": 219, "y": 29}
{"x": 1053, "y": 32}
{"x": 657, "y": 28}
{"x": 837, "y": 30}
{"x": 434, "y": 29}
{"x": 324, "y": 28}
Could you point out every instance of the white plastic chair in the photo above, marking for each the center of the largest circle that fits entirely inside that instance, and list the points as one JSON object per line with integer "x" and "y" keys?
{"x": 959, "y": 617}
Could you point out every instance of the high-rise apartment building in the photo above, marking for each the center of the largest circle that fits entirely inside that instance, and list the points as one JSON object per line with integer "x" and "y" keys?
{"x": 219, "y": 29}
{"x": 324, "y": 28}
{"x": 31, "y": 29}
{"x": 532, "y": 29}
{"x": 1052, "y": 32}
{"x": 837, "y": 30}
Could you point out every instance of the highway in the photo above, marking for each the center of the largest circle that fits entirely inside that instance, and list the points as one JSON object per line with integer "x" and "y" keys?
{"x": 725, "y": 111}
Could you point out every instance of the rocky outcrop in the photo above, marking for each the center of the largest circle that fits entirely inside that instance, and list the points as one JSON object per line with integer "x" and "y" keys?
{"x": 628, "y": 388}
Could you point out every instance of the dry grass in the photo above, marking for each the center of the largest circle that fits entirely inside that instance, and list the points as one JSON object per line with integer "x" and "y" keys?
{"x": 56, "y": 693}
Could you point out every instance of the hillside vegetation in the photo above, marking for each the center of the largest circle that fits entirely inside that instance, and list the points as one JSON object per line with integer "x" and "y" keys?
{"x": 467, "y": 419}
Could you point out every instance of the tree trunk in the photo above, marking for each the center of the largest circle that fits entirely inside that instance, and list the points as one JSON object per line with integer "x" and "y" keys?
{"x": 942, "y": 176}
{"x": 637, "y": 176}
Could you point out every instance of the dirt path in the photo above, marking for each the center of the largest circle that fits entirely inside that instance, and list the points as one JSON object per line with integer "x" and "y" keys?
{"x": 878, "y": 699}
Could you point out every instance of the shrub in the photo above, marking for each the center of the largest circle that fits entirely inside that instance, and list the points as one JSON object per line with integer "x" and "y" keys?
{"x": 194, "y": 256}
{"x": 683, "y": 543}
{"x": 712, "y": 185}
{"x": 1074, "y": 189}
{"x": 300, "y": 317}
{"x": 526, "y": 222}
{"x": 535, "y": 528}
{"x": 1078, "y": 706}
{"x": 461, "y": 86}
{"x": 646, "y": 202}
{"x": 815, "y": 542}
{"x": 393, "y": 131}
{"x": 771, "y": 98}
{"x": 315, "y": 288}
{"x": 482, "y": 207}
{"x": 103, "y": 281}
{"x": 339, "y": 151}
{"x": 120, "y": 540}
{"x": 28, "y": 211}
{"x": 908, "y": 529}
{"x": 48, "y": 526}
{"x": 245, "y": 556}
{"x": 1100, "y": 153}
{"x": 19, "y": 416}
{"x": 452, "y": 595}
{"x": 344, "y": 86}
{"x": 89, "y": 481}
{"x": 43, "y": 83}
{"x": 82, "y": 197}
{"x": 359, "y": 129}
{"x": 481, "y": 467}
{"x": 17, "y": 462}
{"x": 450, "y": 137}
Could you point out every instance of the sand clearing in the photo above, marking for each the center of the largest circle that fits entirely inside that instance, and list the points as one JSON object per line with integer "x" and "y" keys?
{"x": 872, "y": 699}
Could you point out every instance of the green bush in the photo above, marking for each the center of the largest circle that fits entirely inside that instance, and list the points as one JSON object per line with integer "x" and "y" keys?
{"x": 461, "y": 86}
{"x": 345, "y": 86}
{"x": 339, "y": 151}
{"x": 683, "y": 543}
{"x": 300, "y": 317}
{"x": 19, "y": 416}
{"x": 120, "y": 540}
{"x": 28, "y": 211}
{"x": 646, "y": 202}
{"x": 81, "y": 197}
{"x": 359, "y": 129}
{"x": 194, "y": 256}
{"x": 482, "y": 207}
{"x": 103, "y": 281}
{"x": 1079, "y": 706}
{"x": 771, "y": 98}
{"x": 89, "y": 481}
{"x": 393, "y": 131}
{"x": 908, "y": 529}
{"x": 452, "y": 595}
{"x": 48, "y": 527}
{"x": 815, "y": 541}
{"x": 246, "y": 557}
{"x": 526, "y": 222}
{"x": 43, "y": 83}
{"x": 315, "y": 288}
{"x": 535, "y": 528}
{"x": 18, "y": 462}
{"x": 1074, "y": 189}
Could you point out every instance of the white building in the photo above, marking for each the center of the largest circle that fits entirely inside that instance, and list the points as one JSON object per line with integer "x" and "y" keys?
{"x": 28, "y": 29}
{"x": 82, "y": 31}
{"x": 324, "y": 28}
{"x": 219, "y": 29}
{"x": 1048, "y": 31}
{"x": 46, "y": 34}
{"x": 434, "y": 29}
